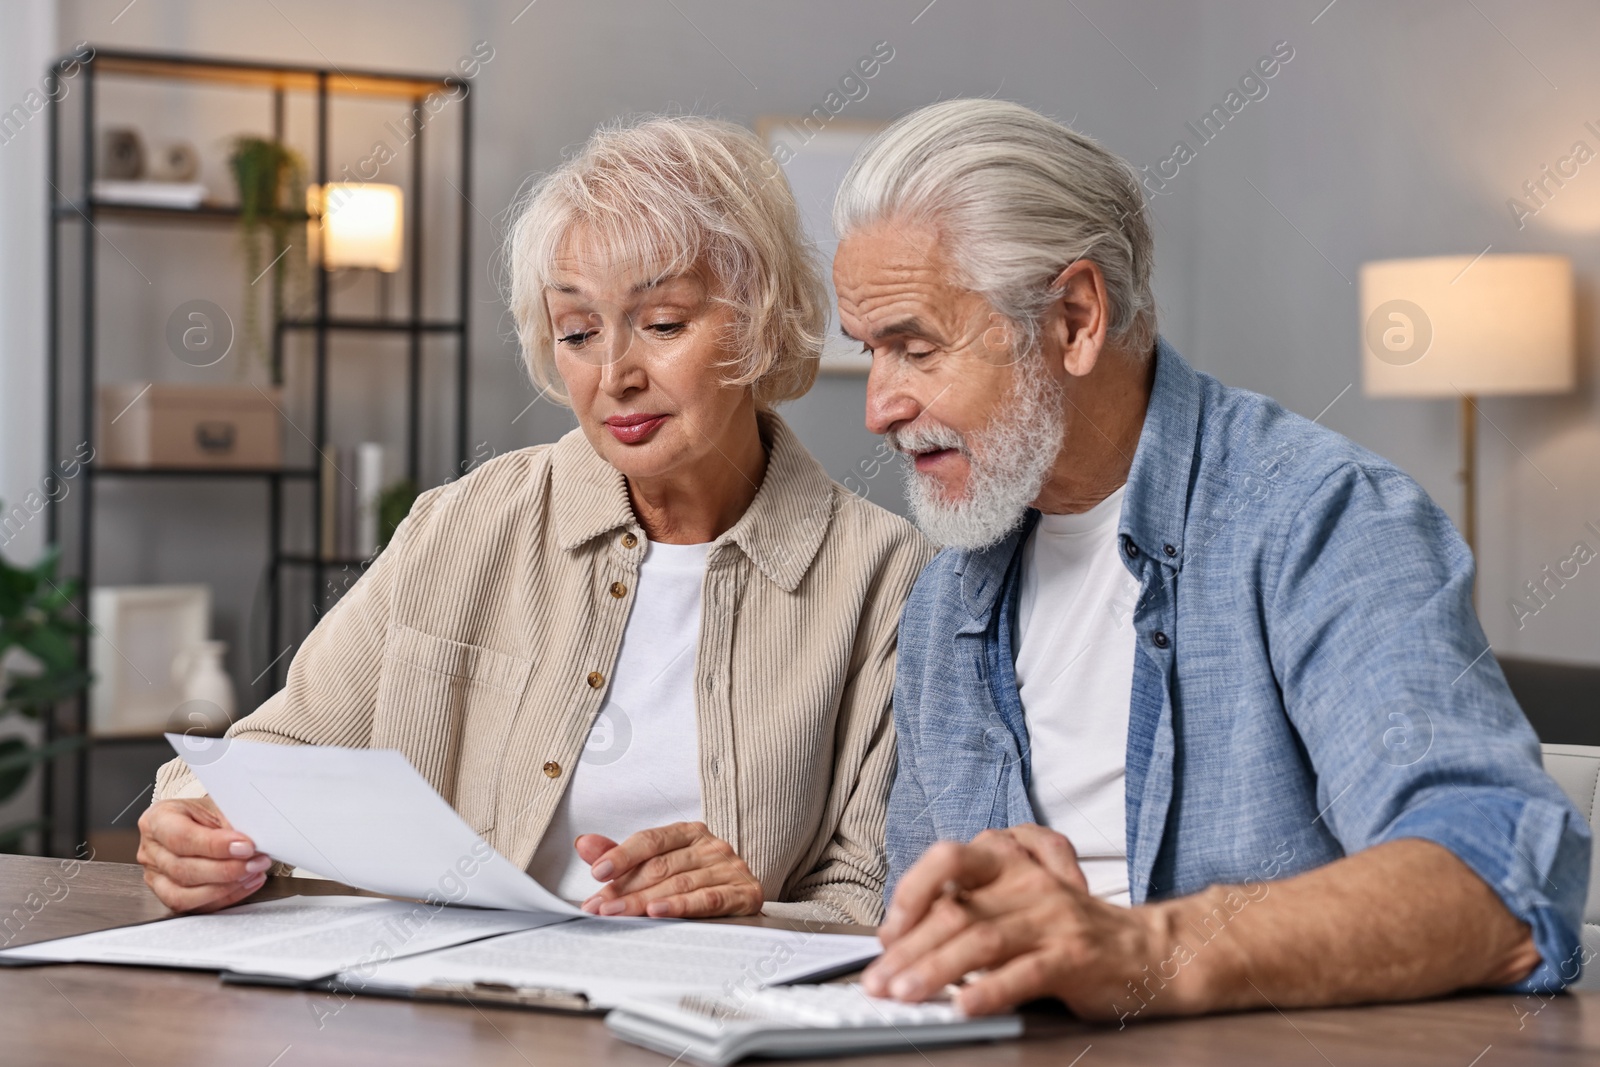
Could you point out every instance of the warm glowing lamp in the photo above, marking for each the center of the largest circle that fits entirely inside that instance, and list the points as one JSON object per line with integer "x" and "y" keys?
{"x": 361, "y": 223}
{"x": 1465, "y": 327}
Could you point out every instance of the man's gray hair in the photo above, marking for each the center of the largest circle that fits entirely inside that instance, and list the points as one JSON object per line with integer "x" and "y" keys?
{"x": 1015, "y": 198}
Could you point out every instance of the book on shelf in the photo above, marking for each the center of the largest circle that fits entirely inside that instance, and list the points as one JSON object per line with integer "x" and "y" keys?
{"x": 352, "y": 482}
{"x": 183, "y": 195}
{"x": 368, "y": 487}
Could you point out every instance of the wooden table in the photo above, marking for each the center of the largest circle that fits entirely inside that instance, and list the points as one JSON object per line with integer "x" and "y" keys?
{"x": 80, "y": 1014}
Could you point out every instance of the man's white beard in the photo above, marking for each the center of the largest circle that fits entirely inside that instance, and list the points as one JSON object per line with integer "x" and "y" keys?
{"x": 1008, "y": 462}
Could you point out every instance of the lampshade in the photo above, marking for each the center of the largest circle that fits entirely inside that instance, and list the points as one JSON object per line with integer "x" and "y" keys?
{"x": 362, "y": 223}
{"x": 1464, "y": 325}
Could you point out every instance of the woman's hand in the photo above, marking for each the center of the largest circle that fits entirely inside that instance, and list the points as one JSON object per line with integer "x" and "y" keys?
{"x": 194, "y": 860}
{"x": 680, "y": 871}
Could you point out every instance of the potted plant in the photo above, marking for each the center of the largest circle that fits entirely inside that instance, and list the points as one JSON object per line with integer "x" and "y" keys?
{"x": 394, "y": 504}
{"x": 269, "y": 176}
{"x": 39, "y": 625}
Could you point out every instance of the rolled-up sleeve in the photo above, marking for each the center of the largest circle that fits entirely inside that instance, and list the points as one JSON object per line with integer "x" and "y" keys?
{"x": 1530, "y": 851}
{"x": 1405, "y": 714}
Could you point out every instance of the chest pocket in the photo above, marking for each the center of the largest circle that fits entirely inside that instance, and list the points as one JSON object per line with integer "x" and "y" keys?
{"x": 448, "y": 707}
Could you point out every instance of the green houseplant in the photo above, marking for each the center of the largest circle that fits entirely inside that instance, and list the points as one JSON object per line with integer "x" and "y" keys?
{"x": 39, "y": 625}
{"x": 394, "y": 504}
{"x": 268, "y": 176}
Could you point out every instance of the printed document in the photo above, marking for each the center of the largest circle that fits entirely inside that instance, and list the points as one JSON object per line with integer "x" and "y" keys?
{"x": 362, "y": 816}
{"x": 295, "y": 937}
{"x": 610, "y": 962}
{"x": 368, "y": 819}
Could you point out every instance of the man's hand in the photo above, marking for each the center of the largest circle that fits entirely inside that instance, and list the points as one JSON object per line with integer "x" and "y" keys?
{"x": 194, "y": 860}
{"x": 1014, "y": 904}
{"x": 1383, "y": 924}
{"x": 681, "y": 871}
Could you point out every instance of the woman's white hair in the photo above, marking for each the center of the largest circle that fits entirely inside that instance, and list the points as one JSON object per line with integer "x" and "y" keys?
{"x": 1015, "y": 198}
{"x": 676, "y": 193}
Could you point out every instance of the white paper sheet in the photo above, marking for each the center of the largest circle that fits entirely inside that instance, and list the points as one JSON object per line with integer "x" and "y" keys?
{"x": 362, "y": 816}
{"x": 609, "y": 962}
{"x": 296, "y": 937}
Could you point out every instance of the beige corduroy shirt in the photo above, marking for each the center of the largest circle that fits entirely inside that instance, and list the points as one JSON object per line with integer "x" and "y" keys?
{"x": 481, "y": 643}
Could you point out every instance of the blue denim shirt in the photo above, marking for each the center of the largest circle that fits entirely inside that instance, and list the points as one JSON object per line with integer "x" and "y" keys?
{"x": 1310, "y": 677}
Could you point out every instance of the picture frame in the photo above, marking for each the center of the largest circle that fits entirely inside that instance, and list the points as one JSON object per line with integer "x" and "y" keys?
{"x": 137, "y": 631}
{"x": 815, "y": 158}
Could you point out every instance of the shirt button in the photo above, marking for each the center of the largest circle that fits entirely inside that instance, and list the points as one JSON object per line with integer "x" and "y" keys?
{"x": 1130, "y": 548}
{"x": 1169, "y": 550}
{"x": 619, "y": 590}
{"x": 596, "y": 679}
{"x": 628, "y": 540}
{"x": 1160, "y": 638}
{"x": 552, "y": 769}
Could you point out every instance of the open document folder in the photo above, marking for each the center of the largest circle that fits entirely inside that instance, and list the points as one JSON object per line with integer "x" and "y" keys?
{"x": 292, "y": 939}
{"x": 399, "y": 948}
{"x": 367, "y": 818}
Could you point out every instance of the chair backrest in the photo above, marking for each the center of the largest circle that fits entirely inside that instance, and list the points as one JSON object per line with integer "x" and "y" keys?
{"x": 1561, "y": 700}
{"x": 1576, "y": 768}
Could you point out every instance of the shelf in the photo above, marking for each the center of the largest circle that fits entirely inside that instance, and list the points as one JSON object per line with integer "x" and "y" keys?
{"x": 112, "y": 209}
{"x": 374, "y": 325}
{"x": 299, "y": 582}
{"x": 345, "y": 82}
{"x": 201, "y": 472}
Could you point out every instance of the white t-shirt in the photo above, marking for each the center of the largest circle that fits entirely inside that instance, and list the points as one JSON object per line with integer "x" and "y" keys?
{"x": 641, "y": 765}
{"x": 1075, "y": 647}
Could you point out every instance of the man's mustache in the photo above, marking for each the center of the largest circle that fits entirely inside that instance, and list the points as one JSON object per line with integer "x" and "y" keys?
{"x": 928, "y": 437}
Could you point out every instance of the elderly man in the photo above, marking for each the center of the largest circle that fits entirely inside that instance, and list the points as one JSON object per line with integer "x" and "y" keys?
{"x": 1194, "y": 711}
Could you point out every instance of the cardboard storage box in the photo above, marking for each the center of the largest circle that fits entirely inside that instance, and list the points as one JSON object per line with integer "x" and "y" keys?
{"x": 161, "y": 424}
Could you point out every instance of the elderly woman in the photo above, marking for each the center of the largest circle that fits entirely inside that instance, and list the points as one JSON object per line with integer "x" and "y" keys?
{"x": 651, "y": 662}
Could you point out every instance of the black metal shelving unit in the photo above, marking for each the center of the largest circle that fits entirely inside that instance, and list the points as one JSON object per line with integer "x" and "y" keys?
{"x": 79, "y": 209}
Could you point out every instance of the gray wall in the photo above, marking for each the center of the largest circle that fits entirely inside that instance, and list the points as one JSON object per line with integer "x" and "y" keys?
{"x": 1402, "y": 130}
{"x": 26, "y": 46}
{"x": 1394, "y": 130}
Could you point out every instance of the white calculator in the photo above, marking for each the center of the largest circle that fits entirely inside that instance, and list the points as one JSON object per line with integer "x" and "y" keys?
{"x": 799, "y": 1020}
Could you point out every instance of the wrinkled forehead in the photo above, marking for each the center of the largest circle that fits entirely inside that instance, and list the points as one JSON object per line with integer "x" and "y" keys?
{"x": 891, "y": 249}
{"x": 894, "y": 268}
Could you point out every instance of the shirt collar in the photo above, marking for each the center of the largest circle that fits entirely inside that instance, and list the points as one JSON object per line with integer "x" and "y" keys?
{"x": 781, "y": 531}
{"x": 1157, "y": 498}
{"x": 983, "y": 573}
{"x": 1157, "y": 495}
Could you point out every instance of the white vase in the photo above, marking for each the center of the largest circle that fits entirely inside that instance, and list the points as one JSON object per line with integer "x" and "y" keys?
{"x": 208, "y": 702}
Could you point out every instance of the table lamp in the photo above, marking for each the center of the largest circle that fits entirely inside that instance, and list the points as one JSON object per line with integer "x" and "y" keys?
{"x": 1465, "y": 327}
{"x": 357, "y": 225}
